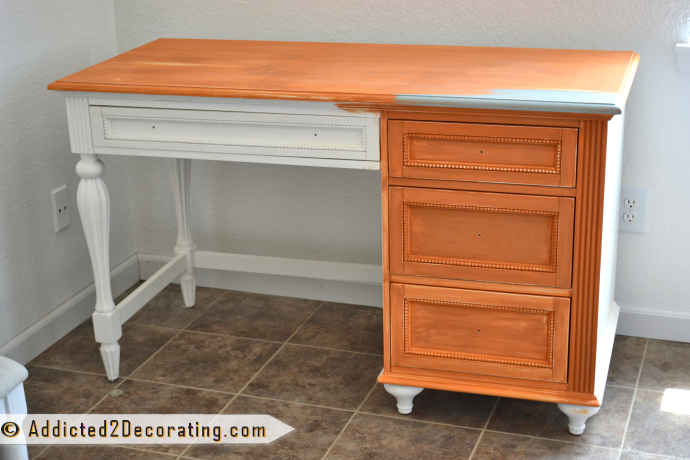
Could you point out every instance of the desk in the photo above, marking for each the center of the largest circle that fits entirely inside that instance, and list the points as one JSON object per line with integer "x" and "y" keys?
{"x": 500, "y": 177}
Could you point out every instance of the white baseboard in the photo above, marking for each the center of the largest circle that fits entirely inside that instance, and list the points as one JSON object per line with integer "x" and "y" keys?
{"x": 55, "y": 325}
{"x": 331, "y": 281}
{"x": 654, "y": 323}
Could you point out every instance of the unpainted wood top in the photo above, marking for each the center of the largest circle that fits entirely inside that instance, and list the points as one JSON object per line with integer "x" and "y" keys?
{"x": 452, "y": 76}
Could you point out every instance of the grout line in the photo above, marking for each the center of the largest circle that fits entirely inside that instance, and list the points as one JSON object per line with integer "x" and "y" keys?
{"x": 124, "y": 379}
{"x": 41, "y": 452}
{"x": 133, "y": 379}
{"x": 68, "y": 370}
{"x": 553, "y": 440}
{"x": 620, "y": 386}
{"x": 215, "y": 334}
{"x": 295, "y": 402}
{"x": 336, "y": 349}
{"x": 661, "y": 456}
{"x": 259, "y": 371}
{"x": 486, "y": 425}
{"x": 335, "y": 441}
{"x": 402, "y": 417}
{"x": 278, "y": 341}
{"x": 632, "y": 404}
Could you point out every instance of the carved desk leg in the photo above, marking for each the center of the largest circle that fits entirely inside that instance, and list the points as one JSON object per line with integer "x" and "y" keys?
{"x": 180, "y": 174}
{"x": 404, "y": 395}
{"x": 94, "y": 209}
{"x": 577, "y": 416}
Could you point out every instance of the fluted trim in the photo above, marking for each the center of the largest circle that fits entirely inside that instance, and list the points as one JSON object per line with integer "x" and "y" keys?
{"x": 79, "y": 122}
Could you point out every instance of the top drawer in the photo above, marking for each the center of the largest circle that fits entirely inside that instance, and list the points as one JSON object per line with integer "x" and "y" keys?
{"x": 246, "y": 133}
{"x": 483, "y": 153}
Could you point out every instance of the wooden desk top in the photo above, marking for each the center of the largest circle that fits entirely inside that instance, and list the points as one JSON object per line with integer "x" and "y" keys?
{"x": 378, "y": 75}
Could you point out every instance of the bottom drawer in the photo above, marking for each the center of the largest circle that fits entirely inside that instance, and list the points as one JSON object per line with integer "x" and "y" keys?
{"x": 480, "y": 332}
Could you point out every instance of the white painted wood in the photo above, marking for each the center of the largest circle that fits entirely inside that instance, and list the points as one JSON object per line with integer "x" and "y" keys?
{"x": 655, "y": 323}
{"x": 370, "y": 294}
{"x": 340, "y": 271}
{"x": 508, "y": 103}
{"x": 94, "y": 208}
{"x": 404, "y": 395}
{"x": 261, "y": 159}
{"x": 49, "y": 329}
{"x": 180, "y": 176}
{"x": 234, "y": 132}
{"x": 608, "y": 310}
{"x": 577, "y": 416}
{"x": 222, "y": 104}
{"x": 79, "y": 124}
{"x": 14, "y": 403}
{"x": 148, "y": 290}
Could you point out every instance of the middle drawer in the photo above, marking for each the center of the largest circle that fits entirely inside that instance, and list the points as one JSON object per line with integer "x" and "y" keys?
{"x": 481, "y": 236}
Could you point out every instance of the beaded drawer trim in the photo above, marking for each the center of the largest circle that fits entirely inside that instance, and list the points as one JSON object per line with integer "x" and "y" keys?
{"x": 501, "y": 140}
{"x": 470, "y": 357}
{"x": 437, "y": 260}
{"x": 109, "y": 135}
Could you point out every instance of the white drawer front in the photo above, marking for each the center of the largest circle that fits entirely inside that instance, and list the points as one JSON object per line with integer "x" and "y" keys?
{"x": 289, "y": 135}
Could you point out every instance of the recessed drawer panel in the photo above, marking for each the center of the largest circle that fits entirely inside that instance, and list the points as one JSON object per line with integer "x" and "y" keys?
{"x": 481, "y": 236}
{"x": 294, "y": 135}
{"x": 480, "y": 332}
{"x": 481, "y": 152}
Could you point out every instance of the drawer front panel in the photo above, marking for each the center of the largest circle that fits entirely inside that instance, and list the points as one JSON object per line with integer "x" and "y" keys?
{"x": 312, "y": 136}
{"x": 509, "y": 335}
{"x": 481, "y": 152}
{"x": 481, "y": 236}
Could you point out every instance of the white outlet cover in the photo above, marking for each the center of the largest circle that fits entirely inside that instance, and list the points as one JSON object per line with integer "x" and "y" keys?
{"x": 60, "y": 209}
{"x": 640, "y": 223}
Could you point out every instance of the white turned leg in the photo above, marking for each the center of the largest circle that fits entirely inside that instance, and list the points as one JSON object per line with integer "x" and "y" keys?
{"x": 180, "y": 174}
{"x": 577, "y": 416}
{"x": 94, "y": 209}
{"x": 404, "y": 395}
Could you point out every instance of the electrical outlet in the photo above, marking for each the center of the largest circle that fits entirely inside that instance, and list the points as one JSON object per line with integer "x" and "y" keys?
{"x": 634, "y": 210}
{"x": 60, "y": 210}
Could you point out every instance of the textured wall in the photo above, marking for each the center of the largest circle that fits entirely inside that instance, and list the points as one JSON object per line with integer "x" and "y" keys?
{"x": 41, "y": 41}
{"x": 334, "y": 215}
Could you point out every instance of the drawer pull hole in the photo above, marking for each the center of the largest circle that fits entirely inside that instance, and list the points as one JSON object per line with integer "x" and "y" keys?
{"x": 153, "y": 127}
{"x": 314, "y": 134}
{"x": 480, "y": 234}
{"x": 478, "y": 330}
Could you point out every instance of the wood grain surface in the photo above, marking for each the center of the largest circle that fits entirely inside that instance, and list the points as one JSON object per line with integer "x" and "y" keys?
{"x": 348, "y": 72}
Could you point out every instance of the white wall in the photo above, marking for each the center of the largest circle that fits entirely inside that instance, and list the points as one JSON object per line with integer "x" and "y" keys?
{"x": 334, "y": 215}
{"x": 41, "y": 41}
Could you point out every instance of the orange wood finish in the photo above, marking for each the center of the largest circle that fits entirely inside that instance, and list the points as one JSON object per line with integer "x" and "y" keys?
{"x": 520, "y": 389}
{"x": 480, "y": 332}
{"x": 483, "y": 152}
{"x": 481, "y": 285}
{"x": 349, "y": 72}
{"x": 587, "y": 254}
{"x": 481, "y": 236}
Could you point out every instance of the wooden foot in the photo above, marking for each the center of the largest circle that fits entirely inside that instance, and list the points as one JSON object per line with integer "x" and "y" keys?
{"x": 577, "y": 416}
{"x": 404, "y": 395}
{"x": 94, "y": 209}
{"x": 180, "y": 175}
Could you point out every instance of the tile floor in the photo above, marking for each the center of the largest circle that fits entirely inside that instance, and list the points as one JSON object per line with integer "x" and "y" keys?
{"x": 313, "y": 365}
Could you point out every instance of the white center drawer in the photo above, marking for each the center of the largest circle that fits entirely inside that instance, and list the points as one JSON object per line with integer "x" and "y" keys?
{"x": 289, "y": 135}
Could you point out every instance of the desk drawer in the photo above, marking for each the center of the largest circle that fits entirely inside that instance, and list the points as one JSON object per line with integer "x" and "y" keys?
{"x": 481, "y": 236}
{"x": 480, "y": 332}
{"x": 292, "y": 135}
{"x": 482, "y": 152}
